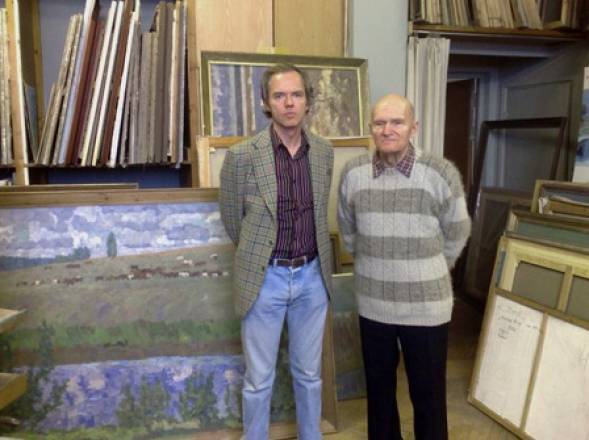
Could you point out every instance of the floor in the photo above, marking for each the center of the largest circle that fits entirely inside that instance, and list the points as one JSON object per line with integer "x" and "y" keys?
{"x": 465, "y": 422}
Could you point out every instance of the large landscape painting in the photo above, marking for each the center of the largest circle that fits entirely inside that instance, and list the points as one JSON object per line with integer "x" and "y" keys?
{"x": 130, "y": 329}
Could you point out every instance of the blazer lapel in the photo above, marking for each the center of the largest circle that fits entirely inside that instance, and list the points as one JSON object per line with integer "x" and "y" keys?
{"x": 265, "y": 169}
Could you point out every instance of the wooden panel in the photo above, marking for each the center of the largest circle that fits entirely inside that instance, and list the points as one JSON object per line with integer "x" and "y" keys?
{"x": 227, "y": 25}
{"x": 16, "y": 93}
{"x": 193, "y": 85}
{"x": 12, "y": 386}
{"x": 32, "y": 54}
{"x": 107, "y": 197}
{"x": 309, "y": 27}
{"x": 68, "y": 187}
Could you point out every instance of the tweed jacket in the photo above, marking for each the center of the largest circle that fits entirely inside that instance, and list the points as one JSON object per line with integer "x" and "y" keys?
{"x": 247, "y": 199}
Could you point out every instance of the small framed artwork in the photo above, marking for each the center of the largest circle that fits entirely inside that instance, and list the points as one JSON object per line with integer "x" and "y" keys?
{"x": 231, "y": 97}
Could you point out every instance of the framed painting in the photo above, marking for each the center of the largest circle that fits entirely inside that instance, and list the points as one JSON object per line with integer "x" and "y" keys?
{"x": 536, "y": 323}
{"x": 533, "y": 148}
{"x": 550, "y": 229}
{"x": 231, "y": 97}
{"x": 130, "y": 330}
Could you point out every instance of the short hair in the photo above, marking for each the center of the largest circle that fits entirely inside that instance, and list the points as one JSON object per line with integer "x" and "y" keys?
{"x": 283, "y": 68}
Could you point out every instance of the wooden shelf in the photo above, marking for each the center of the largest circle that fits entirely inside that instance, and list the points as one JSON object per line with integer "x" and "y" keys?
{"x": 527, "y": 35}
{"x": 12, "y": 386}
{"x": 9, "y": 318}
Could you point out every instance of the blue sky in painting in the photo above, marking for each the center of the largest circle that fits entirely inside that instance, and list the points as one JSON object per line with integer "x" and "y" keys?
{"x": 51, "y": 231}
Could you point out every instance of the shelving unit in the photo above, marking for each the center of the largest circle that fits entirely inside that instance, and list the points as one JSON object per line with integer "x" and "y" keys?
{"x": 532, "y": 35}
{"x": 500, "y": 42}
{"x": 12, "y": 386}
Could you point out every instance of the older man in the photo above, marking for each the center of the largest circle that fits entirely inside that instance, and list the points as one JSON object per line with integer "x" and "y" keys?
{"x": 273, "y": 199}
{"x": 403, "y": 216}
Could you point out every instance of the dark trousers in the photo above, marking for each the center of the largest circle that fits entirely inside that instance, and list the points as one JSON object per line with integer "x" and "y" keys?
{"x": 425, "y": 351}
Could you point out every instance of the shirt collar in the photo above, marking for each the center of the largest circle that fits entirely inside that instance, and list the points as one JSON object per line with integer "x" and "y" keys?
{"x": 277, "y": 142}
{"x": 404, "y": 166}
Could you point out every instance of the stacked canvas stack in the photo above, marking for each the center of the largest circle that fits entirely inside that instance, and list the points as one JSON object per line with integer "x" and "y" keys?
{"x": 119, "y": 96}
{"x": 6, "y": 157}
{"x": 509, "y": 14}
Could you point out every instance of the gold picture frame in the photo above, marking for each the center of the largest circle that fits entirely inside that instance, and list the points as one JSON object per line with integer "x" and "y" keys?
{"x": 231, "y": 99}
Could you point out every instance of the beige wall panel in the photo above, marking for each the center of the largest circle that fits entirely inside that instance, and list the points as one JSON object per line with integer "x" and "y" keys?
{"x": 233, "y": 26}
{"x": 310, "y": 27}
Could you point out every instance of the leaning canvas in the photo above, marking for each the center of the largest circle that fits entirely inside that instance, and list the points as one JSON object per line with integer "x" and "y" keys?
{"x": 130, "y": 329}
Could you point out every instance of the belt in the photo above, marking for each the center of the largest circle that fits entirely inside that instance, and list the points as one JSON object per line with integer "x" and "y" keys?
{"x": 292, "y": 262}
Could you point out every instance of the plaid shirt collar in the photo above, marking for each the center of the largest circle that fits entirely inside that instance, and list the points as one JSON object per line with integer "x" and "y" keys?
{"x": 404, "y": 166}
{"x": 277, "y": 142}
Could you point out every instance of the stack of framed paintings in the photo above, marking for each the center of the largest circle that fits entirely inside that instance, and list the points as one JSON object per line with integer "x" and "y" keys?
{"x": 565, "y": 199}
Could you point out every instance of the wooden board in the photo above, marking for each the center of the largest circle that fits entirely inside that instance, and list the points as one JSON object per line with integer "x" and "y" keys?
{"x": 65, "y": 187}
{"x": 227, "y": 25}
{"x": 309, "y": 27}
{"x": 32, "y": 56}
{"x": 12, "y": 386}
{"x": 193, "y": 84}
{"x": 17, "y": 104}
{"x": 91, "y": 126}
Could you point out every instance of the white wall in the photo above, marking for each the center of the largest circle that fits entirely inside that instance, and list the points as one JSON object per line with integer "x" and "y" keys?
{"x": 379, "y": 33}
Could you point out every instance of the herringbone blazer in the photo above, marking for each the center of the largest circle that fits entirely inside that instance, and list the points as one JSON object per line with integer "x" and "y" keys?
{"x": 247, "y": 199}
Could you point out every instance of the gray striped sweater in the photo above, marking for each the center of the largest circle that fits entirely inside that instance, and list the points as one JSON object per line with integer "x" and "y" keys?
{"x": 405, "y": 234}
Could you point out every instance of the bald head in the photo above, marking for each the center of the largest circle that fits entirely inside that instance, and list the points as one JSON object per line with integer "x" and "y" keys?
{"x": 395, "y": 100}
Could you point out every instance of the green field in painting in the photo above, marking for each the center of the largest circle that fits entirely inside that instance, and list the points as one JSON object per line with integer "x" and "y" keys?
{"x": 168, "y": 303}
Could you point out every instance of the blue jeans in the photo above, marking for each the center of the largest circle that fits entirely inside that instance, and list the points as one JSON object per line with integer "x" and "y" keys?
{"x": 300, "y": 295}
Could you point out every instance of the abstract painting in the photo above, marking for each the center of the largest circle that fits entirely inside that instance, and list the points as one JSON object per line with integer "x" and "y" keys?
{"x": 232, "y": 97}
